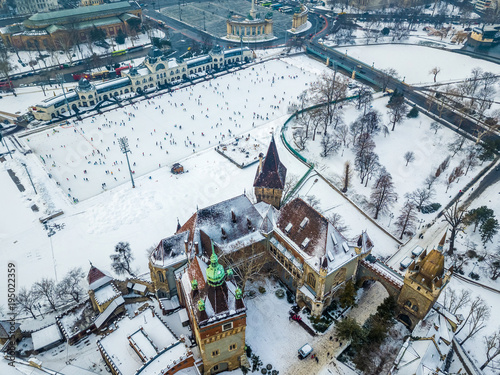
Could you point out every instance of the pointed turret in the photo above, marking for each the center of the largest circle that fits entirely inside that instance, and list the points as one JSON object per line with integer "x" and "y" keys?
{"x": 270, "y": 177}
{"x": 441, "y": 243}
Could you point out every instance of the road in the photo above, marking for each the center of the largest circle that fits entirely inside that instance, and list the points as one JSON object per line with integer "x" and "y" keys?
{"x": 322, "y": 345}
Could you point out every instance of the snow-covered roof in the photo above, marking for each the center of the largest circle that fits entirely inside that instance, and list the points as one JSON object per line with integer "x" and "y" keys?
{"x": 316, "y": 239}
{"x": 148, "y": 335}
{"x": 47, "y": 336}
{"x": 106, "y": 293}
{"x": 101, "y": 319}
{"x": 428, "y": 347}
{"x": 170, "y": 251}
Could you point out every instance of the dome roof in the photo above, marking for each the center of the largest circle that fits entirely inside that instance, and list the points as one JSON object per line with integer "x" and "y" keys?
{"x": 84, "y": 84}
{"x": 215, "y": 271}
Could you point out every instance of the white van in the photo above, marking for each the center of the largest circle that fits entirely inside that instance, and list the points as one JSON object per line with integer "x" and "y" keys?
{"x": 405, "y": 263}
{"x": 305, "y": 351}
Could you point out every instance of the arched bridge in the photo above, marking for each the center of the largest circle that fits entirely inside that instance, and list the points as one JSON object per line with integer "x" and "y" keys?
{"x": 373, "y": 269}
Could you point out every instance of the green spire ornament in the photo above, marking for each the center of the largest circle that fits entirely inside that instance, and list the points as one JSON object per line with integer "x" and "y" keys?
{"x": 215, "y": 271}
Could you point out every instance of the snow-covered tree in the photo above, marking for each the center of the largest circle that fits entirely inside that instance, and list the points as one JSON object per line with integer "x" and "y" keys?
{"x": 122, "y": 258}
{"x": 25, "y": 301}
{"x": 70, "y": 288}
{"x": 420, "y": 197}
{"x": 329, "y": 145}
{"x": 454, "y": 216}
{"x": 46, "y": 288}
{"x": 492, "y": 343}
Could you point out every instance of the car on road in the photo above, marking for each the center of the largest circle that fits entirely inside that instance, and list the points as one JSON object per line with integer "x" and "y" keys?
{"x": 305, "y": 350}
{"x": 405, "y": 263}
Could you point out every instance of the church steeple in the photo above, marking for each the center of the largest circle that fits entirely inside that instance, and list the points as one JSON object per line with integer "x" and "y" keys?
{"x": 270, "y": 177}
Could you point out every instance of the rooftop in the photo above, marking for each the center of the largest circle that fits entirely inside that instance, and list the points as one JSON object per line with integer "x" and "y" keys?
{"x": 273, "y": 172}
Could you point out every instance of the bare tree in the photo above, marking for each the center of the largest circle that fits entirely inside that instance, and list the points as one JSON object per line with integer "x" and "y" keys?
{"x": 346, "y": 176}
{"x": 6, "y": 66}
{"x": 328, "y": 145}
{"x": 454, "y": 216}
{"x": 407, "y": 218}
{"x": 387, "y": 75}
{"x": 397, "y": 111}
{"x": 492, "y": 343}
{"x": 470, "y": 160}
{"x": 339, "y": 223}
{"x": 312, "y": 201}
{"x": 366, "y": 164}
{"x": 435, "y": 126}
{"x": 456, "y": 145}
{"x": 290, "y": 182}
{"x": 429, "y": 181}
{"x": 493, "y": 264}
{"x": 409, "y": 157}
{"x": 454, "y": 300}
{"x": 70, "y": 287}
{"x": 477, "y": 317}
{"x": 249, "y": 265}
{"x": 435, "y": 71}
{"x": 121, "y": 260}
{"x": 25, "y": 301}
{"x": 300, "y": 138}
{"x": 383, "y": 195}
{"x": 46, "y": 288}
{"x": 342, "y": 134}
{"x": 419, "y": 197}
{"x": 443, "y": 166}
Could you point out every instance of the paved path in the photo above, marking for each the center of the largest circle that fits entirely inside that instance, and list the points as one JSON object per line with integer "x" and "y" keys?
{"x": 323, "y": 346}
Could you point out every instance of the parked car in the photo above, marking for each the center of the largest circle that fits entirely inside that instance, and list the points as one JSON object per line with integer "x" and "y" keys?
{"x": 305, "y": 350}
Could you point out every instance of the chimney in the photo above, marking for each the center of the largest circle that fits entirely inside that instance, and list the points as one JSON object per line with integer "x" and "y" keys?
{"x": 224, "y": 235}
{"x": 197, "y": 248}
{"x": 249, "y": 223}
{"x": 186, "y": 247}
{"x": 233, "y": 216}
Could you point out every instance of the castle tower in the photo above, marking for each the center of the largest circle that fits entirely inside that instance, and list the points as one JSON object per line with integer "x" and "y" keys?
{"x": 423, "y": 283}
{"x": 270, "y": 177}
{"x": 217, "y": 314}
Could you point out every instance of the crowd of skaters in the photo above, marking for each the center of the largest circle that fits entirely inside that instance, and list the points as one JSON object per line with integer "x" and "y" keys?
{"x": 206, "y": 126}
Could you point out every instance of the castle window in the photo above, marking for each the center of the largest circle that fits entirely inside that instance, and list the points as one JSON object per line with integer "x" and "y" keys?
{"x": 408, "y": 303}
{"x": 311, "y": 280}
{"x": 215, "y": 353}
{"x": 227, "y": 326}
{"x": 160, "y": 277}
{"x": 415, "y": 308}
{"x": 232, "y": 347}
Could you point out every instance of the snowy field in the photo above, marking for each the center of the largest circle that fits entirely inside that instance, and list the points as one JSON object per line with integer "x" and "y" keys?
{"x": 243, "y": 150}
{"x": 414, "y": 62}
{"x": 84, "y": 156}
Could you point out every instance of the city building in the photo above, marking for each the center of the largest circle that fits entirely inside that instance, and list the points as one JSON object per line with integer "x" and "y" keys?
{"x": 64, "y": 28}
{"x": 144, "y": 345}
{"x": 156, "y": 71}
{"x": 482, "y": 6}
{"x": 36, "y": 6}
{"x": 250, "y": 29}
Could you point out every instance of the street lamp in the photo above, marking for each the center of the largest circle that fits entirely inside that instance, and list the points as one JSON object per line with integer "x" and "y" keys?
{"x": 123, "y": 142}
{"x": 29, "y": 176}
{"x": 391, "y": 216}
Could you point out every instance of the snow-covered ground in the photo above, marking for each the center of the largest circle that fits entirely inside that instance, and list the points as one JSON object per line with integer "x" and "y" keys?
{"x": 415, "y": 62}
{"x": 430, "y": 150}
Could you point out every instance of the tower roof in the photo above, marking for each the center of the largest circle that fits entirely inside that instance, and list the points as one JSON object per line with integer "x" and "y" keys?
{"x": 215, "y": 271}
{"x": 432, "y": 265}
{"x": 273, "y": 173}
{"x": 96, "y": 278}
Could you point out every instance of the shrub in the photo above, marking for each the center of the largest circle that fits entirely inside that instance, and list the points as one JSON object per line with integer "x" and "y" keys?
{"x": 262, "y": 290}
{"x": 280, "y": 293}
{"x": 120, "y": 37}
{"x": 385, "y": 31}
{"x": 474, "y": 276}
{"x": 413, "y": 112}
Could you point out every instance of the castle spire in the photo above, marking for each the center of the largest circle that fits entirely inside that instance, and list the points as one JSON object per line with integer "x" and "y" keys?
{"x": 441, "y": 243}
{"x": 270, "y": 177}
